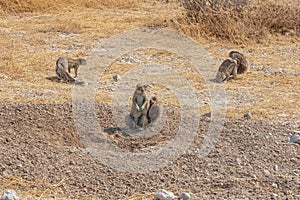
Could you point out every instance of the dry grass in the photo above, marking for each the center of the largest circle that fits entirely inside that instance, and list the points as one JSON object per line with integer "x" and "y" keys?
{"x": 31, "y": 44}
{"x": 240, "y": 24}
{"x": 20, "y": 6}
{"x": 39, "y": 189}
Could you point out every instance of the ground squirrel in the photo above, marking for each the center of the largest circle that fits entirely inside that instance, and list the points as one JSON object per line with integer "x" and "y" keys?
{"x": 227, "y": 68}
{"x": 64, "y": 65}
{"x": 152, "y": 111}
{"x": 235, "y": 64}
{"x": 140, "y": 106}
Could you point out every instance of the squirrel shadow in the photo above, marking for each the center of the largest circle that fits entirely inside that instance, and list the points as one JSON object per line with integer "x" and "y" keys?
{"x": 57, "y": 80}
{"x": 53, "y": 79}
{"x": 112, "y": 131}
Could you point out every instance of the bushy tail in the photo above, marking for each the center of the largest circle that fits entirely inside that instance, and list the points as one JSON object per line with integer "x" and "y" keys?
{"x": 241, "y": 61}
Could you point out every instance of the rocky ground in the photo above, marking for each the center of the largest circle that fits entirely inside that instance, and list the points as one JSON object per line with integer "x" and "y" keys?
{"x": 40, "y": 148}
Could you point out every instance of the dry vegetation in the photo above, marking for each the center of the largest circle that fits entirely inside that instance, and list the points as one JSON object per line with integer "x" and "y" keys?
{"x": 240, "y": 23}
{"x": 19, "y": 6}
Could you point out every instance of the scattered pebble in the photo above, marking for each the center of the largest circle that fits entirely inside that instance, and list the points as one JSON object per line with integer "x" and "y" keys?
{"x": 5, "y": 173}
{"x": 239, "y": 161}
{"x": 196, "y": 179}
{"x": 295, "y": 138}
{"x": 276, "y": 168}
{"x": 70, "y": 47}
{"x": 247, "y": 115}
{"x": 282, "y": 71}
{"x": 148, "y": 86}
{"x": 117, "y": 77}
{"x": 2, "y": 76}
{"x": 274, "y": 185}
{"x": 207, "y": 114}
{"x": 163, "y": 195}
{"x": 129, "y": 60}
{"x": 274, "y": 196}
{"x": 10, "y": 195}
{"x": 184, "y": 196}
{"x": 266, "y": 172}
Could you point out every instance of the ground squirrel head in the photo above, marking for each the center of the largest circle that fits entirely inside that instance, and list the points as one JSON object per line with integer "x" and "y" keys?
{"x": 140, "y": 89}
{"x": 153, "y": 100}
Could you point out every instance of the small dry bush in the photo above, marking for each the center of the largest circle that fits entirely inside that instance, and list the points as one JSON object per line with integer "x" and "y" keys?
{"x": 21, "y": 6}
{"x": 239, "y": 23}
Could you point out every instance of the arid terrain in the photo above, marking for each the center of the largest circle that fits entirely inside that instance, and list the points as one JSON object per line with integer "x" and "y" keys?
{"x": 42, "y": 154}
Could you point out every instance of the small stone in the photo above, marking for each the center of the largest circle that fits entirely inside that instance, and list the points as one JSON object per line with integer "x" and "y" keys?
{"x": 196, "y": 179}
{"x": 287, "y": 192}
{"x": 148, "y": 86}
{"x": 5, "y": 173}
{"x": 70, "y": 47}
{"x": 274, "y": 185}
{"x": 163, "y": 195}
{"x": 20, "y": 167}
{"x": 117, "y": 77}
{"x": 274, "y": 196}
{"x": 295, "y": 138}
{"x": 239, "y": 161}
{"x": 207, "y": 114}
{"x": 282, "y": 71}
{"x": 128, "y": 60}
{"x": 184, "y": 196}
{"x": 266, "y": 172}
{"x": 276, "y": 168}
{"x": 253, "y": 182}
{"x": 247, "y": 115}
{"x": 10, "y": 195}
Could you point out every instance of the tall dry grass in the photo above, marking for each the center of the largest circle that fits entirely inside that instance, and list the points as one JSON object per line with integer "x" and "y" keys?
{"x": 21, "y": 6}
{"x": 239, "y": 23}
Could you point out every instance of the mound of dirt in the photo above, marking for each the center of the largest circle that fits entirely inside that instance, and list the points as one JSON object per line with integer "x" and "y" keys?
{"x": 40, "y": 143}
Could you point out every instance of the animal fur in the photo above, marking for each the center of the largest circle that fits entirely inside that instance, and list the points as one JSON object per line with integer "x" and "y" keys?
{"x": 64, "y": 66}
{"x": 241, "y": 61}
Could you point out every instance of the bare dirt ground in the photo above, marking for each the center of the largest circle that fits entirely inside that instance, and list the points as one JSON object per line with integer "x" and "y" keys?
{"x": 43, "y": 157}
